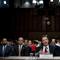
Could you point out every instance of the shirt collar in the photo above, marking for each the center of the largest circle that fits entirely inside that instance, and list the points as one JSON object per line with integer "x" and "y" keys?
{"x": 46, "y": 46}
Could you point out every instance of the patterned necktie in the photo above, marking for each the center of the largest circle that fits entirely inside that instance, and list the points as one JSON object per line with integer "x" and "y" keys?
{"x": 46, "y": 49}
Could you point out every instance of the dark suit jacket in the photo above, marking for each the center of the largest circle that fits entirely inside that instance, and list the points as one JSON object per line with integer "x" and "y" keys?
{"x": 51, "y": 48}
{"x": 13, "y": 50}
{"x": 25, "y": 51}
{"x": 8, "y": 51}
{"x": 57, "y": 51}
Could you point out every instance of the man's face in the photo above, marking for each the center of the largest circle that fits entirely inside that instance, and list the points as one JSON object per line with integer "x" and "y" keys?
{"x": 20, "y": 40}
{"x": 30, "y": 42}
{"x": 58, "y": 41}
{"x": 45, "y": 41}
{"x": 26, "y": 42}
{"x": 4, "y": 41}
{"x": 53, "y": 40}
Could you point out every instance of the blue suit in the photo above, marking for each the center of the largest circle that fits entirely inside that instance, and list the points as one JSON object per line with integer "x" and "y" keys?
{"x": 8, "y": 51}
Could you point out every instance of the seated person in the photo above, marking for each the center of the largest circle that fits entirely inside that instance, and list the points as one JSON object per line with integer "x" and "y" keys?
{"x": 5, "y": 49}
{"x": 45, "y": 47}
{"x": 57, "y": 51}
{"x": 22, "y": 49}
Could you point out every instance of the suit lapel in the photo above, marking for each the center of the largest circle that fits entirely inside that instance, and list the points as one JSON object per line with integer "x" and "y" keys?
{"x": 51, "y": 49}
{"x": 17, "y": 49}
{"x": 6, "y": 48}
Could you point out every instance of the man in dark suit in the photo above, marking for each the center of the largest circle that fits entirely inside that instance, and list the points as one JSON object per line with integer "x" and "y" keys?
{"x": 5, "y": 49}
{"x": 45, "y": 48}
{"x": 22, "y": 50}
{"x": 57, "y": 51}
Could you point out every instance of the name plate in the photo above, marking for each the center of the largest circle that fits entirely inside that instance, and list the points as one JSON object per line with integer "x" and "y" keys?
{"x": 48, "y": 56}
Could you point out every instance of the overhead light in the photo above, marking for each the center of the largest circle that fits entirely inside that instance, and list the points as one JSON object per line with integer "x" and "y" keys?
{"x": 51, "y": 0}
{"x": 34, "y": 2}
{"x": 27, "y": 4}
{"x": 48, "y": 22}
{"x": 4, "y": 2}
{"x": 59, "y": 0}
{"x": 41, "y": 2}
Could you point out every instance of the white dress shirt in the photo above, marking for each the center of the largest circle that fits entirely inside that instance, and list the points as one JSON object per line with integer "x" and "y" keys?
{"x": 20, "y": 47}
{"x": 48, "y": 51}
{"x": 58, "y": 44}
{"x": 3, "y": 49}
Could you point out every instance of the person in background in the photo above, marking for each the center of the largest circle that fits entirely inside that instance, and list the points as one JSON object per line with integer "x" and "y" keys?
{"x": 36, "y": 42}
{"x": 57, "y": 48}
{"x": 45, "y": 47}
{"x": 5, "y": 49}
{"x": 29, "y": 42}
{"x": 12, "y": 44}
{"x": 57, "y": 51}
{"x": 39, "y": 43}
{"x": 26, "y": 42}
{"x": 58, "y": 42}
{"x": 20, "y": 46}
{"x": 32, "y": 45}
{"x": 22, "y": 50}
{"x": 53, "y": 42}
{"x": 0, "y": 40}
{"x": 4, "y": 41}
